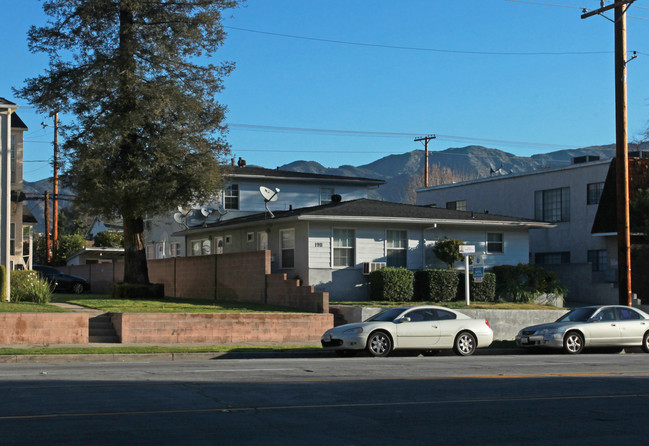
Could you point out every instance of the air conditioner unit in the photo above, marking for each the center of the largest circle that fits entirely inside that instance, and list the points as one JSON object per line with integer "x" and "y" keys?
{"x": 369, "y": 267}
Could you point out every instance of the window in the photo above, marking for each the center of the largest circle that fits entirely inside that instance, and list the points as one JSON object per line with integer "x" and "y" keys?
{"x": 201, "y": 247}
{"x": 597, "y": 259}
{"x": 325, "y": 194}
{"x": 250, "y": 237}
{"x": 150, "y": 252}
{"x": 459, "y": 205}
{"x": 495, "y": 242}
{"x": 174, "y": 249}
{"x": 287, "y": 248}
{"x": 12, "y": 239}
{"x": 552, "y": 258}
{"x": 627, "y": 314}
{"x": 594, "y": 192}
{"x": 231, "y": 196}
{"x": 344, "y": 244}
{"x": 13, "y": 159}
{"x": 422, "y": 315}
{"x": 552, "y": 205}
{"x": 396, "y": 248}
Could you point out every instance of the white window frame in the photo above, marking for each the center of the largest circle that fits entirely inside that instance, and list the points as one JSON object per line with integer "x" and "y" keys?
{"x": 250, "y": 237}
{"x": 389, "y": 249}
{"x": 325, "y": 194}
{"x": 335, "y": 248}
{"x": 230, "y": 195}
{"x": 500, "y": 242}
{"x": 283, "y": 248}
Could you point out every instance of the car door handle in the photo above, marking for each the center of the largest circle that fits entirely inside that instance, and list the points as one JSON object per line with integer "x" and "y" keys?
{"x": 434, "y": 326}
{"x": 612, "y": 325}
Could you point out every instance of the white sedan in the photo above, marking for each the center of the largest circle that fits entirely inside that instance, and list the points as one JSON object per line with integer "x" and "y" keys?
{"x": 422, "y": 327}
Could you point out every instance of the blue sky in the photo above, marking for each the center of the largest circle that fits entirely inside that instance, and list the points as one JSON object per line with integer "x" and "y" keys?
{"x": 365, "y": 77}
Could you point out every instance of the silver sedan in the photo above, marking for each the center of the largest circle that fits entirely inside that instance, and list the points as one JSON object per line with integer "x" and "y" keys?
{"x": 422, "y": 327}
{"x": 597, "y": 326}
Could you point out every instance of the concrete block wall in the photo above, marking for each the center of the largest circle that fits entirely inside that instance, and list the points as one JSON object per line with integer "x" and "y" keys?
{"x": 100, "y": 275}
{"x": 289, "y": 293}
{"x": 43, "y": 328}
{"x": 242, "y": 276}
{"x": 221, "y": 328}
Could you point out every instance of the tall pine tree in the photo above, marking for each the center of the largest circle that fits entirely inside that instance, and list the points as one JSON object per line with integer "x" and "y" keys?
{"x": 137, "y": 76}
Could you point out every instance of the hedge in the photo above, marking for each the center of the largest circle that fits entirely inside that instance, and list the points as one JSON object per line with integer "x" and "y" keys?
{"x": 3, "y": 294}
{"x": 437, "y": 285}
{"x": 391, "y": 284}
{"x": 484, "y": 291}
{"x": 523, "y": 283}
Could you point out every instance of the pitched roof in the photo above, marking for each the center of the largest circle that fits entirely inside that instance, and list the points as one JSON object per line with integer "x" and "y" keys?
{"x": 16, "y": 122}
{"x": 261, "y": 172}
{"x": 366, "y": 210}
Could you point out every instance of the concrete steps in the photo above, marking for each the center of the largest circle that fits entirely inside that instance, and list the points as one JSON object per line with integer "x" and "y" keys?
{"x": 101, "y": 330}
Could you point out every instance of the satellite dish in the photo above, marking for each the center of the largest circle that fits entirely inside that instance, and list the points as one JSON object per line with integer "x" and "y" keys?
{"x": 269, "y": 194}
{"x": 179, "y": 218}
{"x": 206, "y": 212}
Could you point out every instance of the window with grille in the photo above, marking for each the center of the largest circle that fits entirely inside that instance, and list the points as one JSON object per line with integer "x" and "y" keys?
{"x": 231, "y": 196}
{"x": 552, "y": 258}
{"x": 287, "y": 248}
{"x": 459, "y": 205}
{"x": 344, "y": 244}
{"x": 594, "y": 192}
{"x": 495, "y": 243}
{"x": 552, "y": 205}
{"x": 397, "y": 248}
{"x": 597, "y": 259}
{"x": 325, "y": 194}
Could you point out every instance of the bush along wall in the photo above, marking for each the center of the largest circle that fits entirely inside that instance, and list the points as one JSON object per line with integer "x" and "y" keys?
{"x": 524, "y": 283}
{"x": 3, "y": 294}
{"x": 437, "y": 285}
{"x": 484, "y": 291}
{"x": 391, "y": 284}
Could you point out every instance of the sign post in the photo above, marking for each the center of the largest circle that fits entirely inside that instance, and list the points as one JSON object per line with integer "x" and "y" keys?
{"x": 478, "y": 269}
{"x": 466, "y": 251}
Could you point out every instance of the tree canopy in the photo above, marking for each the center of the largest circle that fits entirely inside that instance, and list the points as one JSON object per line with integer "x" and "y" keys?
{"x": 139, "y": 79}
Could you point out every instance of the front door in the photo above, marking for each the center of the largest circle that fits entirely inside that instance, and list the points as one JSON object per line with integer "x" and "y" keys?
{"x": 421, "y": 331}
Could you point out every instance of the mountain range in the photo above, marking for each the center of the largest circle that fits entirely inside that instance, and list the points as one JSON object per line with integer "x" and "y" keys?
{"x": 402, "y": 173}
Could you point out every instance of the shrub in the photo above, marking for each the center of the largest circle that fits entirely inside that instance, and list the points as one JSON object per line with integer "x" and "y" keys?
{"x": 137, "y": 291}
{"x": 523, "y": 283}
{"x": 392, "y": 284}
{"x": 107, "y": 239}
{"x": 28, "y": 286}
{"x": 437, "y": 285}
{"x": 484, "y": 291}
{"x": 448, "y": 251}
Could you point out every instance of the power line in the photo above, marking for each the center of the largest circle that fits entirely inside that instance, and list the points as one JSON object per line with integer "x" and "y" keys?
{"x": 436, "y": 50}
{"x": 572, "y": 7}
{"x": 360, "y": 133}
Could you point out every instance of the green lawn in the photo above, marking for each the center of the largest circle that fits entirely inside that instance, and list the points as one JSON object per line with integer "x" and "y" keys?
{"x": 166, "y": 305}
{"x": 28, "y": 307}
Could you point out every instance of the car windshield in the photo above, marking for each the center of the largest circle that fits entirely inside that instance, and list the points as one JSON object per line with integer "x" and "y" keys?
{"x": 578, "y": 315}
{"x": 387, "y": 315}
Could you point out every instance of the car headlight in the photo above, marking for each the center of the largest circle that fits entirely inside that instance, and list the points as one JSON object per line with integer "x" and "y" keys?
{"x": 355, "y": 330}
{"x": 547, "y": 331}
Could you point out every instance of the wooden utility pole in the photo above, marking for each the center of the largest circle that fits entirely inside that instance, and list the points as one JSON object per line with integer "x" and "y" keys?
{"x": 55, "y": 187}
{"x": 48, "y": 248}
{"x": 425, "y": 139}
{"x": 621, "y": 150}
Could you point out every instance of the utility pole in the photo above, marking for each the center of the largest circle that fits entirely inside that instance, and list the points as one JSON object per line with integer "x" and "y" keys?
{"x": 55, "y": 187}
{"x": 48, "y": 248}
{"x": 425, "y": 139}
{"x": 621, "y": 150}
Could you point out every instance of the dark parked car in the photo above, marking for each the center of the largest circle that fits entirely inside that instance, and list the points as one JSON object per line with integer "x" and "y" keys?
{"x": 63, "y": 282}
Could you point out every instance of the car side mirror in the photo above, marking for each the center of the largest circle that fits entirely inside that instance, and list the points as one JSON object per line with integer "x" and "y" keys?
{"x": 403, "y": 319}
{"x": 597, "y": 318}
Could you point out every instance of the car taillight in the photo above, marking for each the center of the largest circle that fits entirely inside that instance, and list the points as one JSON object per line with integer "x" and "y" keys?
{"x": 487, "y": 322}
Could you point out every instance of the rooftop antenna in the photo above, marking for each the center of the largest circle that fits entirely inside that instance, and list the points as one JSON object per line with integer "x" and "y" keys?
{"x": 269, "y": 195}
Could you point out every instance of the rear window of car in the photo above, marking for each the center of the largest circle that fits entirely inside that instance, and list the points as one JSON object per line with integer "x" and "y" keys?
{"x": 627, "y": 314}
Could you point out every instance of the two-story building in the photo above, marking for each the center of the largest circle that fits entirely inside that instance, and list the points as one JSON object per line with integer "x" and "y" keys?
{"x": 566, "y": 196}
{"x": 241, "y": 196}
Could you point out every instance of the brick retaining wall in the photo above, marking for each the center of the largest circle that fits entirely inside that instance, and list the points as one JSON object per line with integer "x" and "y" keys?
{"x": 43, "y": 328}
{"x": 221, "y": 328}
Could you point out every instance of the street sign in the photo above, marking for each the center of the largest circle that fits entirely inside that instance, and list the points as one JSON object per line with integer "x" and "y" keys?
{"x": 467, "y": 249}
{"x": 478, "y": 273}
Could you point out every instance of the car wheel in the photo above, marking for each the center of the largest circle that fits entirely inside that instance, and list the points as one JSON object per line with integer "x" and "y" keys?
{"x": 379, "y": 344}
{"x": 77, "y": 287}
{"x": 573, "y": 343}
{"x": 465, "y": 344}
{"x": 645, "y": 342}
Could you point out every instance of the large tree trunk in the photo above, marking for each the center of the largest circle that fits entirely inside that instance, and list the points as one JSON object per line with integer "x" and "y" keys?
{"x": 135, "y": 266}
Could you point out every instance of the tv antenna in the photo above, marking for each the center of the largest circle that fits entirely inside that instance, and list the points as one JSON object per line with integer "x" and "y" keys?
{"x": 269, "y": 195}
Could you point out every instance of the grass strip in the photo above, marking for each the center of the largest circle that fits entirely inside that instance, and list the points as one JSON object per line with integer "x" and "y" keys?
{"x": 457, "y": 305}
{"x": 154, "y": 349}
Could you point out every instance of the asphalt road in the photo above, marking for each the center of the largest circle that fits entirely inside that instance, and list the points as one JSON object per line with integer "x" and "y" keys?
{"x": 542, "y": 399}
